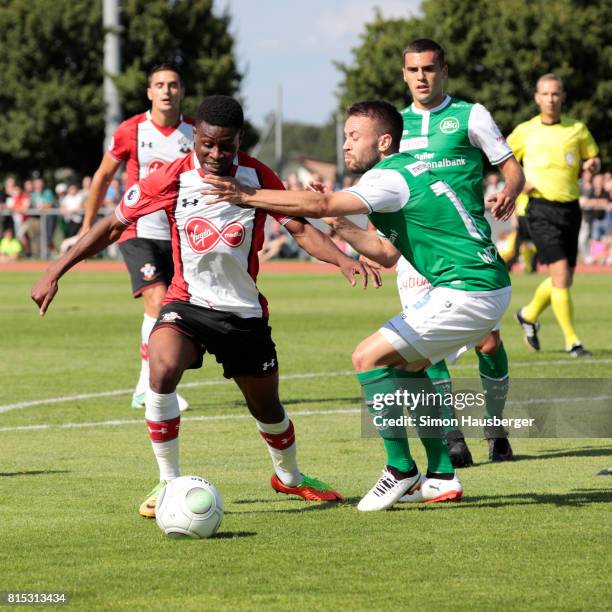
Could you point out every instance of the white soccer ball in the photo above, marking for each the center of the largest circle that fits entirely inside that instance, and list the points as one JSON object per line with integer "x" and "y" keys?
{"x": 189, "y": 506}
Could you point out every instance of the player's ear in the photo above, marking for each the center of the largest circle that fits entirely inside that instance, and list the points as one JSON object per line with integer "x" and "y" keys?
{"x": 384, "y": 142}
{"x": 445, "y": 71}
{"x": 149, "y": 95}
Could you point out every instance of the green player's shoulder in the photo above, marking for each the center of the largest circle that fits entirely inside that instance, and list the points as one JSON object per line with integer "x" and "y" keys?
{"x": 458, "y": 103}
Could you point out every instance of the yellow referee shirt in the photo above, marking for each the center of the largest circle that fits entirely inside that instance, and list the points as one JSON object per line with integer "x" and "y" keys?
{"x": 552, "y": 156}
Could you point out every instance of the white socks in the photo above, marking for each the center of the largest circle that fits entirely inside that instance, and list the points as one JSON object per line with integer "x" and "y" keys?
{"x": 163, "y": 420}
{"x": 280, "y": 438}
{"x": 145, "y": 331}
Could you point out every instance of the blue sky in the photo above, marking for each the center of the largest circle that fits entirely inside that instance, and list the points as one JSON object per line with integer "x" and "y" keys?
{"x": 295, "y": 44}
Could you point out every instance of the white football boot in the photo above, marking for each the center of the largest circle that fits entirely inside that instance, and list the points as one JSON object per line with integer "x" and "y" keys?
{"x": 387, "y": 491}
{"x": 430, "y": 490}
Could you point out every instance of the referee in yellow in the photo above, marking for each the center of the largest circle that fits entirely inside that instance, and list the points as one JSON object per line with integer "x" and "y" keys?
{"x": 553, "y": 148}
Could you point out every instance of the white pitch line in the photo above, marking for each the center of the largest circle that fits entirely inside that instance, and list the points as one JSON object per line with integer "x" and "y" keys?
{"x": 206, "y": 383}
{"x": 215, "y": 417}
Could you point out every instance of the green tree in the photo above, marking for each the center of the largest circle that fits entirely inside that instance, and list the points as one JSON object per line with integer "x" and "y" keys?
{"x": 496, "y": 51}
{"x": 51, "y": 83}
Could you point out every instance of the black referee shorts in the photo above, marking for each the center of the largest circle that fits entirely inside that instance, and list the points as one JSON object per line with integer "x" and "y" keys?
{"x": 244, "y": 347}
{"x": 554, "y": 229}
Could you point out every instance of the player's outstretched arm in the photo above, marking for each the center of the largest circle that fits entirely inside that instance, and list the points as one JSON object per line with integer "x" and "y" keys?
{"x": 102, "y": 234}
{"x": 317, "y": 244}
{"x": 97, "y": 190}
{"x": 502, "y": 204}
{"x": 365, "y": 241}
{"x": 292, "y": 203}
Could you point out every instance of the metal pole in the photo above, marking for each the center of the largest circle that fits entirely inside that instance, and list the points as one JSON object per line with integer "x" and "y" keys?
{"x": 339, "y": 152}
{"x": 112, "y": 66}
{"x": 278, "y": 134}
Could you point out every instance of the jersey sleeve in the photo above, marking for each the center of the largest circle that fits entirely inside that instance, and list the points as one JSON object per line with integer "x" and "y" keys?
{"x": 517, "y": 142}
{"x": 381, "y": 190}
{"x": 486, "y": 136}
{"x": 270, "y": 180}
{"x": 119, "y": 145}
{"x": 588, "y": 146}
{"x": 155, "y": 192}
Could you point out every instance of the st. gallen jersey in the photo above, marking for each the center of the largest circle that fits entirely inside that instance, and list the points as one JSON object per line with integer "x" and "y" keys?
{"x": 214, "y": 247}
{"x": 145, "y": 146}
{"x": 451, "y": 140}
{"x": 429, "y": 225}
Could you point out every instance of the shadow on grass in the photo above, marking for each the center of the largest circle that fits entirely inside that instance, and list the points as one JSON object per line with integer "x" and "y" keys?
{"x": 231, "y": 535}
{"x": 306, "y": 507}
{"x": 32, "y": 473}
{"x": 576, "y": 498}
{"x": 589, "y": 451}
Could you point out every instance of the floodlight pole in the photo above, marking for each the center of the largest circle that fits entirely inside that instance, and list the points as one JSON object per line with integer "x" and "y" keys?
{"x": 278, "y": 132}
{"x": 339, "y": 152}
{"x": 112, "y": 66}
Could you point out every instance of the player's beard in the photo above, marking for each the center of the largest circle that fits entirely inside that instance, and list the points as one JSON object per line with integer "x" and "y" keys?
{"x": 366, "y": 162}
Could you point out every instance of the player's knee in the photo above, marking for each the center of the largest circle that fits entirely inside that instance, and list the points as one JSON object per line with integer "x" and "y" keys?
{"x": 361, "y": 359}
{"x": 164, "y": 374}
{"x": 490, "y": 345}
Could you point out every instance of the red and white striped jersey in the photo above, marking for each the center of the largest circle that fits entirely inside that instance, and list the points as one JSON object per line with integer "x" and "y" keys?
{"x": 214, "y": 247}
{"x": 145, "y": 146}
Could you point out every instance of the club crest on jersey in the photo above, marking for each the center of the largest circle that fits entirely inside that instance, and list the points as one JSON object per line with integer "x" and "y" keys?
{"x": 148, "y": 271}
{"x": 203, "y": 235}
{"x": 449, "y": 125}
{"x": 170, "y": 317}
{"x": 132, "y": 195}
{"x": 154, "y": 165}
{"x": 184, "y": 145}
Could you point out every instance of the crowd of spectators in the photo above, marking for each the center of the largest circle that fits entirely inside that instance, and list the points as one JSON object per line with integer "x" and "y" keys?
{"x": 35, "y": 218}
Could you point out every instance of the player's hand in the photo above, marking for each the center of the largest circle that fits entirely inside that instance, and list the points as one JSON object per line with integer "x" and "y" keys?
{"x": 318, "y": 187}
{"x": 43, "y": 293}
{"x": 351, "y": 267}
{"x": 501, "y": 205}
{"x": 226, "y": 189}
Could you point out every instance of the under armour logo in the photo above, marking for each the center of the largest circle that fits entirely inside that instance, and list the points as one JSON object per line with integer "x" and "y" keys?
{"x": 144, "y": 144}
{"x": 187, "y": 203}
{"x": 268, "y": 364}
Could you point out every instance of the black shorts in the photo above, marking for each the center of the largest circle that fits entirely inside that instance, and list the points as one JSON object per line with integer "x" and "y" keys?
{"x": 554, "y": 229}
{"x": 149, "y": 263}
{"x": 244, "y": 347}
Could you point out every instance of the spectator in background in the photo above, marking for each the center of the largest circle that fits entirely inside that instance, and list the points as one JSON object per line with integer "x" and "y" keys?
{"x": 18, "y": 203}
{"x": 42, "y": 199}
{"x": 10, "y": 247}
{"x": 293, "y": 183}
{"x": 493, "y": 184}
{"x": 5, "y": 195}
{"x": 72, "y": 207}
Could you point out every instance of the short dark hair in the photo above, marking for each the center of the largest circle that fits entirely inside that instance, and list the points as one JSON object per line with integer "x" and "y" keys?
{"x": 384, "y": 113}
{"x": 164, "y": 66}
{"x": 420, "y": 45}
{"x": 222, "y": 111}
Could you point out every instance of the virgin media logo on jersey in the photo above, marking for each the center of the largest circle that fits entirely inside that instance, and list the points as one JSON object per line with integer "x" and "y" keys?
{"x": 203, "y": 235}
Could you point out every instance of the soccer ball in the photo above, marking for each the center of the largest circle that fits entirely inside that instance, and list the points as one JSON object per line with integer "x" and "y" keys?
{"x": 189, "y": 506}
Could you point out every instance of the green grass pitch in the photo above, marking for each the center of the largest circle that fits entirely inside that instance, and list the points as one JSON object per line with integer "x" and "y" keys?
{"x": 532, "y": 534}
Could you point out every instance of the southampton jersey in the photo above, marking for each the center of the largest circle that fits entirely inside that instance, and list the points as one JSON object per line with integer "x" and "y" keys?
{"x": 430, "y": 226}
{"x": 552, "y": 156}
{"x": 145, "y": 146}
{"x": 214, "y": 247}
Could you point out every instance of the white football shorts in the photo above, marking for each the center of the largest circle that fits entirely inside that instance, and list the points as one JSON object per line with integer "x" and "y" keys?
{"x": 446, "y": 322}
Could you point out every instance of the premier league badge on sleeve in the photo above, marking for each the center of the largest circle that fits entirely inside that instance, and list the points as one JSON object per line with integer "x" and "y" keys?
{"x": 132, "y": 196}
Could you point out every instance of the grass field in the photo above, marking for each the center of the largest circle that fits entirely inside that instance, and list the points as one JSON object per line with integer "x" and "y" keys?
{"x": 532, "y": 534}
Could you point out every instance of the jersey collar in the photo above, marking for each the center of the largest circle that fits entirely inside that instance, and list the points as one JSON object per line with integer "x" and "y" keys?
{"x": 421, "y": 111}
